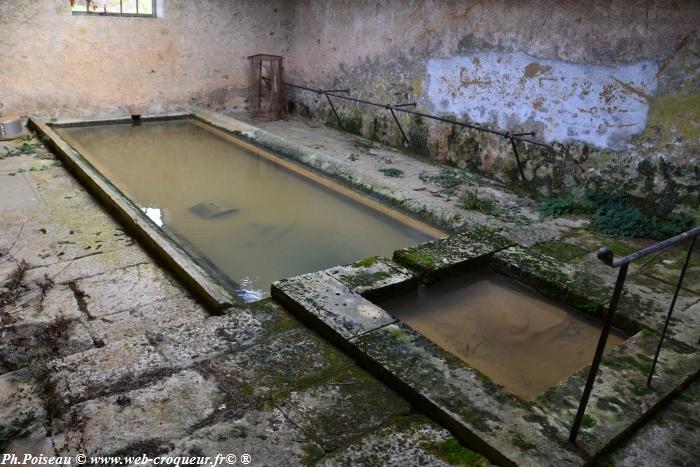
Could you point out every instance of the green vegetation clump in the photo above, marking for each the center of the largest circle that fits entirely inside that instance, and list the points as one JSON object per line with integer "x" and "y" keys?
{"x": 616, "y": 217}
{"x": 472, "y": 201}
{"x": 561, "y": 206}
{"x": 448, "y": 180}
{"x": 392, "y": 172}
{"x": 454, "y": 453}
{"x": 367, "y": 262}
{"x": 613, "y": 215}
{"x": 588, "y": 421}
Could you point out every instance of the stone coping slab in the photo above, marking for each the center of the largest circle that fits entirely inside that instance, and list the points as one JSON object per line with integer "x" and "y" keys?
{"x": 554, "y": 279}
{"x": 479, "y": 412}
{"x": 326, "y": 301}
{"x": 373, "y": 277}
{"x": 446, "y": 256}
{"x": 620, "y": 400}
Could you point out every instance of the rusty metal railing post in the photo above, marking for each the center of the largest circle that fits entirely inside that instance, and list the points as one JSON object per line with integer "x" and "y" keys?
{"x": 391, "y": 108}
{"x": 340, "y": 122}
{"x": 604, "y": 254}
{"x": 512, "y": 137}
{"x": 517, "y": 157}
{"x": 325, "y": 93}
{"x": 670, "y": 310}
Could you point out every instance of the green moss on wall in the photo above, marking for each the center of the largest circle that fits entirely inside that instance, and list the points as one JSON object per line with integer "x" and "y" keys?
{"x": 675, "y": 116}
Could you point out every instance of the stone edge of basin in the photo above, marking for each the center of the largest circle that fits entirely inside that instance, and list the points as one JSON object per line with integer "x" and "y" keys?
{"x": 334, "y": 303}
{"x": 214, "y": 296}
{"x": 317, "y": 162}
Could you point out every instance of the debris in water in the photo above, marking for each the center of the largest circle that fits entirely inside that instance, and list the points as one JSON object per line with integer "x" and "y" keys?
{"x": 211, "y": 209}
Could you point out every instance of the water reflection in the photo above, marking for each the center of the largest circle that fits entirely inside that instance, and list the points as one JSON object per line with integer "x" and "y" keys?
{"x": 154, "y": 214}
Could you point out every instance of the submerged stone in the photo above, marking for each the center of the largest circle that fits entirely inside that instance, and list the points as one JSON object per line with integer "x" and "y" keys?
{"x": 213, "y": 209}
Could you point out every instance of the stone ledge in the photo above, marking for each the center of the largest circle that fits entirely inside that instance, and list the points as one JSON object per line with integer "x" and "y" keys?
{"x": 446, "y": 256}
{"x": 373, "y": 277}
{"x": 620, "y": 400}
{"x": 330, "y": 304}
{"x": 480, "y": 413}
{"x": 554, "y": 278}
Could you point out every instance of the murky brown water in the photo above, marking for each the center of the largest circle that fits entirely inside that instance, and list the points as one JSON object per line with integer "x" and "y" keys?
{"x": 520, "y": 341}
{"x": 255, "y": 220}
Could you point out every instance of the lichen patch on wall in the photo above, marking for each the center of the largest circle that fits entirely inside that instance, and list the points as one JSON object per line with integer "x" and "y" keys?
{"x": 600, "y": 105}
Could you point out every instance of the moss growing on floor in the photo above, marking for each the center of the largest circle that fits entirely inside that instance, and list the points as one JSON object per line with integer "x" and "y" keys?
{"x": 562, "y": 251}
{"x": 471, "y": 200}
{"x": 454, "y": 453}
{"x": 367, "y": 262}
{"x": 392, "y": 172}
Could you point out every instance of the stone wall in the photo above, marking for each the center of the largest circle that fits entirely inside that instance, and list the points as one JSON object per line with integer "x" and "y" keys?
{"x": 58, "y": 64}
{"x": 613, "y": 85}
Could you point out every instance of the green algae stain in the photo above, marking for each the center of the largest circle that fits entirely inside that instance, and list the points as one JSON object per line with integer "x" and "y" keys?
{"x": 452, "y": 452}
{"x": 561, "y": 251}
{"x": 417, "y": 85}
{"x": 367, "y": 262}
{"x": 415, "y": 258}
{"x": 675, "y": 115}
{"x": 588, "y": 422}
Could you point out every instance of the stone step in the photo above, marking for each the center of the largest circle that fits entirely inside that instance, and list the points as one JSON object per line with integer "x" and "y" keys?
{"x": 620, "y": 400}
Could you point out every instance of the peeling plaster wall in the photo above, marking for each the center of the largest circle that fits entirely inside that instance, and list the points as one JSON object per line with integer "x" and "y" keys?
{"x": 615, "y": 85}
{"x": 56, "y": 64}
{"x": 600, "y": 105}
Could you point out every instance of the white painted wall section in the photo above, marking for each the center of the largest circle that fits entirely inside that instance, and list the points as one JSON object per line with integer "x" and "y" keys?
{"x": 600, "y": 105}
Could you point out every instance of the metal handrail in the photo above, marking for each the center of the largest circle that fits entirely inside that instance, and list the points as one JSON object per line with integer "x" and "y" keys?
{"x": 512, "y": 137}
{"x": 606, "y": 256}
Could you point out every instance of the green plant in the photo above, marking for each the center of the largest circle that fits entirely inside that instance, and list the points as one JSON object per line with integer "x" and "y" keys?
{"x": 28, "y": 137}
{"x": 561, "y": 206}
{"x": 392, "y": 172}
{"x": 613, "y": 215}
{"x": 448, "y": 179}
{"x": 472, "y": 201}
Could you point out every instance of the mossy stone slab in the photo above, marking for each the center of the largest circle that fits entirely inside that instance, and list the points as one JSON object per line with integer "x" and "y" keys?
{"x": 480, "y": 413}
{"x": 373, "y": 276}
{"x": 648, "y": 305}
{"x": 414, "y": 441}
{"x": 349, "y": 405}
{"x": 447, "y": 256}
{"x": 22, "y": 407}
{"x": 668, "y": 269}
{"x": 620, "y": 398}
{"x": 186, "y": 344}
{"x": 667, "y": 439}
{"x": 292, "y": 361}
{"x": 552, "y": 278}
{"x": 139, "y": 421}
{"x": 329, "y": 304}
{"x": 264, "y": 432}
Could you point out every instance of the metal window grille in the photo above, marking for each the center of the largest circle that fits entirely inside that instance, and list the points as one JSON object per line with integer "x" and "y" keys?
{"x": 138, "y": 8}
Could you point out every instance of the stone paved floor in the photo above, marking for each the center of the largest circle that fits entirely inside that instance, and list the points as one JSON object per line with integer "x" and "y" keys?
{"x": 101, "y": 351}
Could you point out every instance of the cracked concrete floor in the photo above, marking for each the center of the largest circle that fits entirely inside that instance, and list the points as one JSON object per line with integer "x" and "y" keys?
{"x": 101, "y": 351}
